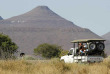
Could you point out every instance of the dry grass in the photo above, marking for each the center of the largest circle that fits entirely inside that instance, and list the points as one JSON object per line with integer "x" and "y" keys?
{"x": 52, "y": 67}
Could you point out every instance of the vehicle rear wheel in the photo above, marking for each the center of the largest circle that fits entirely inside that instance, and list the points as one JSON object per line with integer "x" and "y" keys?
{"x": 100, "y": 46}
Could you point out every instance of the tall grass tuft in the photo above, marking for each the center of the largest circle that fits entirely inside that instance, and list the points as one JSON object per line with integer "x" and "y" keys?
{"x": 53, "y": 66}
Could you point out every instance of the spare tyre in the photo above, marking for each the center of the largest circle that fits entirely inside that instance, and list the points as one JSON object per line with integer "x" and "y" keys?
{"x": 100, "y": 46}
{"x": 91, "y": 46}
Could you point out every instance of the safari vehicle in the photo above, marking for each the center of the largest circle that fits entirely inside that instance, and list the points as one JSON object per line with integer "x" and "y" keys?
{"x": 90, "y": 50}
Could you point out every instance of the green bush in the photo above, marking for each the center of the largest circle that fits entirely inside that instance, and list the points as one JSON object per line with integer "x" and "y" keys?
{"x": 7, "y": 47}
{"x": 48, "y": 50}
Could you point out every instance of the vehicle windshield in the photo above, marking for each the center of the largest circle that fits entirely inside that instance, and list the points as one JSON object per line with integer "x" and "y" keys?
{"x": 70, "y": 52}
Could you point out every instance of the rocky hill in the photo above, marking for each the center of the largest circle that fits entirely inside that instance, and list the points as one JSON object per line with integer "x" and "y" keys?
{"x": 42, "y": 25}
{"x": 107, "y": 38}
{"x": 1, "y": 18}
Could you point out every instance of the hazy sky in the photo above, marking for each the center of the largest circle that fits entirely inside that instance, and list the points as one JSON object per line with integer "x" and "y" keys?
{"x": 91, "y": 14}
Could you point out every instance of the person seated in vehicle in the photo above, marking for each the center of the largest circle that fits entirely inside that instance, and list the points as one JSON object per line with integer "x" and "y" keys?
{"x": 85, "y": 49}
{"x": 81, "y": 48}
{"x": 82, "y": 52}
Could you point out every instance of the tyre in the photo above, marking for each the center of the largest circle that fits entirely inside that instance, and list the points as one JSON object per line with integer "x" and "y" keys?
{"x": 91, "y": 46}
{"x": 100, "y": 46}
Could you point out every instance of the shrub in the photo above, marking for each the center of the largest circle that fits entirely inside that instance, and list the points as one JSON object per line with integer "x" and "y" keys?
{"x": 48, "y": 50}
{"x": 7, "y": 47}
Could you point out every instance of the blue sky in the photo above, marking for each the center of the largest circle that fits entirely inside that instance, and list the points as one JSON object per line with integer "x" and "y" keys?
{"x": 91, "y": 14}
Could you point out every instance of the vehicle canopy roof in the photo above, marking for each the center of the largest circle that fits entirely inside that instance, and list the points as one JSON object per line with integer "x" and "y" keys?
{"x": 86, "y": 40}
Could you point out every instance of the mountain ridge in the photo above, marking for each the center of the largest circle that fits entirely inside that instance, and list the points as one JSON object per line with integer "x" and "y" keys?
{"x": 39, "y": 13}
{"x": 42, "y": 25}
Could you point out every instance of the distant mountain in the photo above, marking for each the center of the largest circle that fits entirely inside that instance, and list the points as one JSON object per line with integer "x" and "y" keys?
{"x": 1, "y": 18}
{"x": 106, "y": 36}
{"x": 42, "y": 25}
{"x": 107, "y": 43}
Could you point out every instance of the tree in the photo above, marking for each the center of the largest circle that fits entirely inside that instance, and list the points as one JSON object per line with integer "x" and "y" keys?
{"x": 48, "y": 50}
{"x": 7, "y": 47}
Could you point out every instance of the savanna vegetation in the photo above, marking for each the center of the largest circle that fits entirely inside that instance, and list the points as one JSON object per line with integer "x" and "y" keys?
{"x": 7, "y": 47}
{"x": 53, "y": 66}
{"x": 29, "y": 65}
